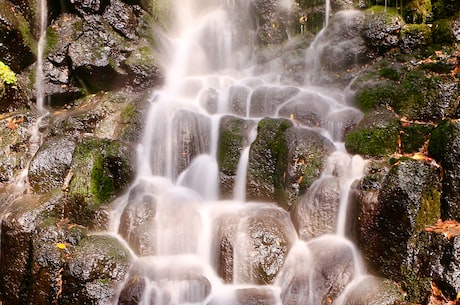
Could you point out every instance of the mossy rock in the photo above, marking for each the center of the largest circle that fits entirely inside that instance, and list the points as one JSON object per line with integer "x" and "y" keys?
{"x": 408, "y": 201}
{"x": 381, "y": 94}
{"x": 283, "y": 161}
{"x": 415, "y": 37}
{"x": 444, "y": 148}
{"x": 234, "y": 133}
{"x": 375, "y": 136}
{"x": 414, "y": 137}
{"x": 100, "y": 169}
{"x": 417, "y": 11}
{"x": 442, "y": 32}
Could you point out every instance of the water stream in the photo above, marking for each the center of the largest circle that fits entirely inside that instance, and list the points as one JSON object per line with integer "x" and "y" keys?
{"x": 188, "y": 246}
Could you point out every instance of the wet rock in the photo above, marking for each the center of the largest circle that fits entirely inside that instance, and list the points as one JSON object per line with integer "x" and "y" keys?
{"x": 255, "y": 296}
{"x": 50, "y": 165}
{"x": 52, "y": 244}
{"x": 284, "y": 161}
{"x": 60, "y": 84}
{"x": 265, "y": 100}
{"x": 87, "y": 7}
{"x": 342, "y": 41}
{"x": 122, "y": 17}
{"x": 137, "y": 220}
{"x": 97, "y": 265}
{"x": 262, "y": 245}
{"x": 273, "y": 21}
{"x": 315, "y": 212}
{"x": 223, "y": 244}
{"x": 318, "y": 271}
{"x": 372, "y": 291}
{"x": 96, "y": 56}
{"x": 443, "y": 147}
{"x": 100, "y": 169}
{"x": 381, "y": 30}
{"x": 19, "y": 227}
{"x": 376, "y": 135}
{"x": 432, "y": 258}
{"x": 234, "y": 136}
{"x": 408, "y": 201}
{"x": 414, "y": 36}
{"x": 132, "y": 292}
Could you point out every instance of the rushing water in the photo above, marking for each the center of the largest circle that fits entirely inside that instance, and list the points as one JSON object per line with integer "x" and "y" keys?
{"x": 187, "y": 245}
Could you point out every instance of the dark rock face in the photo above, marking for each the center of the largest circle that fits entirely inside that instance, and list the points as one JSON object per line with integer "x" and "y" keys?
{"x": 86, "y": 7}
{"x": 16, "y": 49}
{"x": 408, "y": 200}
{"x": 444, "y": 147}
{"x": 49, "y": 167}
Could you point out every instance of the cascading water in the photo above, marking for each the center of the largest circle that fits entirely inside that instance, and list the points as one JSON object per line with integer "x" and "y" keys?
{"x": 190, "y": 247}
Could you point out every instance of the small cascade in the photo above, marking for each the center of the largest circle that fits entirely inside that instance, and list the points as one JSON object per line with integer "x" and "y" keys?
{"x": 39, "y": 77}
{"x": 189, "y": 245}
{"x": 327, "y": 12}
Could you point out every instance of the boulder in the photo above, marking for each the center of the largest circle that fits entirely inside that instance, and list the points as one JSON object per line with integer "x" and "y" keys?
{"x": 443, "y": 147}
{"x": 50, "y": 165}
{"x": 100, "y": 170}
{"x": 390, "y": 221}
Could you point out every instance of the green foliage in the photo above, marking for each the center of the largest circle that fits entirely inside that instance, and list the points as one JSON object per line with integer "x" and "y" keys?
{"x": 7, "y": 75}
{"x": 381, "y": 9}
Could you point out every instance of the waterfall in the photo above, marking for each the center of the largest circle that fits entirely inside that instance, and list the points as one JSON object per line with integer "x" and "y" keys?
{"x": 39, "y": 77}
{"x": 191, "y": 246}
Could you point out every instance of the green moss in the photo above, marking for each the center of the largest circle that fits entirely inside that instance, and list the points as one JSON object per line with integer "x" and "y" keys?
{"x": 414, "y": 137}
{"x": 7, "y": 75}
{"x": 102, "y": 186}
{"x": 377, "y": 141}
{"x": 372, "y": 97}
{"x": 52, "y": 38}
{"x": 389, "y": 73}
{"x": 442, "y": 33}
{"x": 128, "y": 113}
{"x": 380, "y": 9}
{"x": 417, "y": 11}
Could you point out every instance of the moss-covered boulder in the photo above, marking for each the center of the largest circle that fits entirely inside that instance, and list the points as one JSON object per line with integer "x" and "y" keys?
{"x": 376, "y": 135}
{"x": 382, "y": 28}
{"x": 284, "y": 160}
{"x": 100, "y": 169}
{"x": 234, "y": 136}
{"x": 391, "y": 218}
{"x": 444, "y": 148}
{"x": 414, "y": 37}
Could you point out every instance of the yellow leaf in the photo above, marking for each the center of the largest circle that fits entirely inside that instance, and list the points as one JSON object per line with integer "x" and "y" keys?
{"x": 61, "y": 246}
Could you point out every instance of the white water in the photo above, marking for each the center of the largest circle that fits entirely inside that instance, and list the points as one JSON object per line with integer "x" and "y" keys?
{"x": 190, "y": 246}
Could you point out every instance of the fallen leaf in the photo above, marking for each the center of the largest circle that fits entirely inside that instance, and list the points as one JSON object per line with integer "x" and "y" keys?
{"x": 61, "y": 246}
